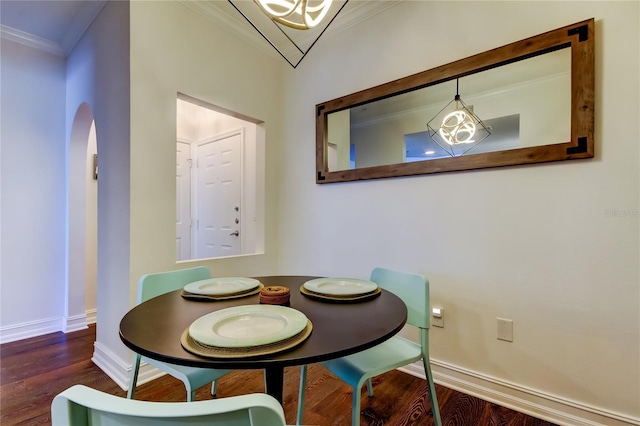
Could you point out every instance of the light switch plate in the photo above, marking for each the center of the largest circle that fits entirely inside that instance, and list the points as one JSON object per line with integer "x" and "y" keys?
{"x": 437, "y": 321}
{"x": 505, "y": 329}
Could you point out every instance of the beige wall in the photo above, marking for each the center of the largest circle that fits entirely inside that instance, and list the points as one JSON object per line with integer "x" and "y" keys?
{"x": 541, "y": 245}
{"x": 174, "y": 50}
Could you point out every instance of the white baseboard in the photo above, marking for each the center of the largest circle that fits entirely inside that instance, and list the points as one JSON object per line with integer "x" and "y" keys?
{"x": 111, "y": 365}
{"x": 102, "y": 356}
{"x": 529, "y": 401}
{"x": 120, "y": 372}
{"x": 44, "y": 326}
{"x": 26, "y": 330}
{"x": 148, "y": 373}
{"x": 75, "y": 323}
{"x": 92, "y": 316}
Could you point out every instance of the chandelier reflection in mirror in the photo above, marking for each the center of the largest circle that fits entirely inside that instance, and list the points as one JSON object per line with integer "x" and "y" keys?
{"x": 458, "y": 128}
{"x": 297, "y": 14}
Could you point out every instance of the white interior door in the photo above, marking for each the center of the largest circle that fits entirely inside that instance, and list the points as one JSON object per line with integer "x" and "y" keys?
{"x": 218, "y": 195}
{"x": 183, "y": 201}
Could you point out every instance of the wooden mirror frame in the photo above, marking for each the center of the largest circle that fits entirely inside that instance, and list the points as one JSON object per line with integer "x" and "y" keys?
{"x": 579, "y": 37}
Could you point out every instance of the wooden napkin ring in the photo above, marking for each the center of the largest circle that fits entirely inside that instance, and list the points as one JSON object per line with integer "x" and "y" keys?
{"x": 275, "y": 295}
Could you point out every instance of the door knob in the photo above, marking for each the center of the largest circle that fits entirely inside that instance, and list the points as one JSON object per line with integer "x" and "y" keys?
{"x": 236, "y": 233}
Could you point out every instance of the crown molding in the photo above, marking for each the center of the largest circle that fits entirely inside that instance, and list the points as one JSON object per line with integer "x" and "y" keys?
{"x": 226, "y": 17}
{"x": 220, "y": 13}
{"x": 70, "y": 36}
{"x": 359, "y": 11}
{"x": 31, "y": 40}
{"x": 81, "y": 23}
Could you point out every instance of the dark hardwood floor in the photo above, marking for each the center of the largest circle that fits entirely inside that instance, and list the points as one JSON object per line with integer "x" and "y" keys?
{"x": 35, "y": 370}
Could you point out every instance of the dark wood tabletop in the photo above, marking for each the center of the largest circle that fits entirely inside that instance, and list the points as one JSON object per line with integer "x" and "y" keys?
{"x": 153, "y": 329}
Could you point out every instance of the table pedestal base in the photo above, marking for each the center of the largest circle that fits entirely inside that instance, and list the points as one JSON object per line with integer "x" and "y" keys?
{"x": 274, "y": 382}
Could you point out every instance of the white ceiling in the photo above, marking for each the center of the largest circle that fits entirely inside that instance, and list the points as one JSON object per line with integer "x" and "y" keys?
{"x": 57, "y": 25}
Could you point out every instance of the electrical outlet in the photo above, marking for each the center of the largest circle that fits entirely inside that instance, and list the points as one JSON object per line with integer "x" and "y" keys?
{"x": 437, "y": 317}
{"x": 505, "y": 329}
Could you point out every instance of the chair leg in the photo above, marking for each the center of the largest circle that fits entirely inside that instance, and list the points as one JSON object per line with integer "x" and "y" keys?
{"x": 191, "y": 392}
{"x": 133, "y": 380}
{"x": 355, "y": 415}
{"x": 432, "y": 393}
{"x": 303, "y": 384}
{"x": 369, "y": 388}
{"x": 264, "y": 379}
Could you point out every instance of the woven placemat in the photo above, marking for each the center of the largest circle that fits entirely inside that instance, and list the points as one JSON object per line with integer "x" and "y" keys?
{"x": 201, "y": 349}
{"x": 347, "y": 298}
{"x": 210, "y": 298}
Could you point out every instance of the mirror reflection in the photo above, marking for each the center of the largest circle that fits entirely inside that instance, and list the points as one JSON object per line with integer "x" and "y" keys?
{"x": 530, "y": 101}
{"x": 522, "y": 104}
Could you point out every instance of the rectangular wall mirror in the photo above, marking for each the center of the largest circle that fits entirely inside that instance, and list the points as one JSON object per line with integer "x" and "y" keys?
{"x": 527, "y": 102}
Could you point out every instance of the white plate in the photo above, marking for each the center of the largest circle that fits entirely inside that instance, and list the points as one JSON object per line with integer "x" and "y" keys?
{"x": 247, "y": 326}
{"x": 340, "y": 286}
{"x": 222, "y": 286}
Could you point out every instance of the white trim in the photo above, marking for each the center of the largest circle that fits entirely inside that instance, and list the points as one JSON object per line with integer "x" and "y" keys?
{"x": 80, "y": 24}
{"x": 29, "y": 329}
{"x": 148, "y": 373}
{"x": 111, "y": 364}
{"x": 226, "y": 17}
{"x": 520, "y": 398}
{"x": 92, "y": 316}
{"x": 31, "y": 40}
{"x": 120, "y": 372}
{"x": 72, "y": 34}
{"x": 40, "y": 327}
{"x": 74, "y": 323}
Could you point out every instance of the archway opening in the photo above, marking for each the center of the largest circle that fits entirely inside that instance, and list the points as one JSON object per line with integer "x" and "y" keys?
{"x": 81, "y": 271}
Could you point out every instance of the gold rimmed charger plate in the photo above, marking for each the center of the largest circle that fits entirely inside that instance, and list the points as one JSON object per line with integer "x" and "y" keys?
{"x": 347, "y": 298}
{"x": 197, "y": 348}
{"x": 206, "y": 297}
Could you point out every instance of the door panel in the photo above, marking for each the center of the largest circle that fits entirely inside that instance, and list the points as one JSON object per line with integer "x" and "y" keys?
{"x": 218, "y": 195}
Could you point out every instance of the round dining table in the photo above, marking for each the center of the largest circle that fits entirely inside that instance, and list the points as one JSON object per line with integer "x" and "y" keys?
{"x": 154, "y": 329}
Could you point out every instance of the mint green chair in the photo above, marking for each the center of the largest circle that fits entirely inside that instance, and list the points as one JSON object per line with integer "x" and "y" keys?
{"x": 150, "y": 286}
{"x": 83, "y": 406}
{"x": 396, "y": 352}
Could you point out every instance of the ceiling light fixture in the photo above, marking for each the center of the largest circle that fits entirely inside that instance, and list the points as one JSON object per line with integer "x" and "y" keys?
{"x": 279, "y": 22}
{"x": 459, "y": 129}
{"x": 297, "y": 14}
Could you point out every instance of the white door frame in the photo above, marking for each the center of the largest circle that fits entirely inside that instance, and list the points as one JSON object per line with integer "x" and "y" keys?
{"x": 185, "y": 209}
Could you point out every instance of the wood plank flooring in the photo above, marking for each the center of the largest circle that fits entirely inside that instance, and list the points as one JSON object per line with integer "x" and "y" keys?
{"x": 35, "y": 370}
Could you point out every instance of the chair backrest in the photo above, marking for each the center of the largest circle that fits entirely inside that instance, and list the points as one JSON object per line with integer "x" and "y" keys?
{"x": 413, "y": 289}
{"x": 80, "y": 405}
{"x": 152, "y": 285}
